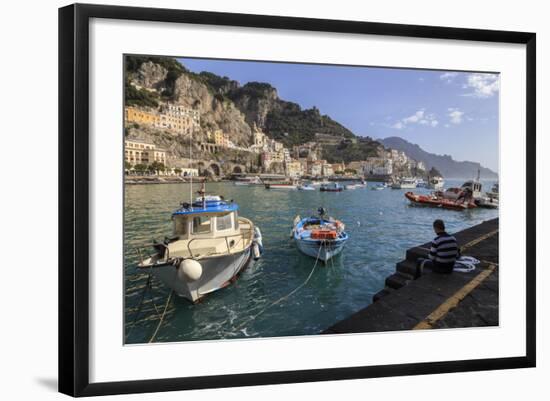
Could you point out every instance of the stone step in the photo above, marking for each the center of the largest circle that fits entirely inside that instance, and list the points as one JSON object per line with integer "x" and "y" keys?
{"x": 397, "y": 280}
{"x": 407, "y": 268}
{"x": 382, "y": 293}
{"x": 417, "y": 252}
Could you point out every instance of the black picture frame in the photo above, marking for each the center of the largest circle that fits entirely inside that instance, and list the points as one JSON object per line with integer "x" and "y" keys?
{"x": 74, "y": 198}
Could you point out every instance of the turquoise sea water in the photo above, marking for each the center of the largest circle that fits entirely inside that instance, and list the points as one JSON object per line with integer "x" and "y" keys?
{"x": 381, "y": 225}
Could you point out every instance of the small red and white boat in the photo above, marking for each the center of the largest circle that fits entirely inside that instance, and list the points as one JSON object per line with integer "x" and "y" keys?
{"x": 434, "y": 201}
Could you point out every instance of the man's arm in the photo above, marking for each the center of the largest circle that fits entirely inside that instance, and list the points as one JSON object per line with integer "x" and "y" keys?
{"x": 433, "y": 251}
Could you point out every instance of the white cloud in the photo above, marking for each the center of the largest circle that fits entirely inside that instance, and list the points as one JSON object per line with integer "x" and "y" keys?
{"x": 414, "y": 118}
{"x": 455, "y": 115}
{"x": 448, "y": 76}
{"x": 420, "y": 117}
{"x": 483, "y": 85}
{"x": 398, "y": 125}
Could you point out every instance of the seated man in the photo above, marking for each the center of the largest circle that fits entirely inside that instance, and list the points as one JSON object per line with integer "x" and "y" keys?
{"x": 443, "y": 252}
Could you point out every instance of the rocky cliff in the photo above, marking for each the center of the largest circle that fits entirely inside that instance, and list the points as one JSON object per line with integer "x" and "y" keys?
{"x": 224, "y": 104}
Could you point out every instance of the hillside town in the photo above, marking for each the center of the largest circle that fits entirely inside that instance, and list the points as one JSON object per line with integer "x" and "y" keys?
{"x": 142, "y": 156}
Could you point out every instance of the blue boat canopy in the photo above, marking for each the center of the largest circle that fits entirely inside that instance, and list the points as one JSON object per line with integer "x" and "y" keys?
{"x": 209, "y": 206}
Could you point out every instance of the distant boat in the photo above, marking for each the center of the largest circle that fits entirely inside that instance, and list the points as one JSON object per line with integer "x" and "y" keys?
{"x": 281, "y": 185}
{"x": 321, "y": 237}
{"x": 378, "y": 187}
{"x": 436, "y": 182}
{"x": 319, "y": 183}
{"x": 494, "y": 191}
{"x": 420, "y": 183}
{"x": 306, "y": 187}
{"x": 210, "y": 245}
{"x": 362, "y": 184}
{"x": 404, "y": 183}
{"x": 247, "y": 181}
{"x": 331, "y": 187}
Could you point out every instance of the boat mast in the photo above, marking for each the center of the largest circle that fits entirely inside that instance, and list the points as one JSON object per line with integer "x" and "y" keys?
{"x": 191, "y": 166}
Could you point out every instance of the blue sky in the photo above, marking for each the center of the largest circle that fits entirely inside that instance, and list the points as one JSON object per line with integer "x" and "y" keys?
{"x": 444, "y": 112}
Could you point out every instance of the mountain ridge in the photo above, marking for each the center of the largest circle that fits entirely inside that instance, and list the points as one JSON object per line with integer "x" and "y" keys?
{"x": 449, "y": 167}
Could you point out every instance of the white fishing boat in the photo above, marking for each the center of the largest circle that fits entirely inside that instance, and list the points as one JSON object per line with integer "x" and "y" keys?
{"x": 321, "y": 237}
{"x": 306, "y": 187}
{"x": 358, "y": 185}
{"x": 404, "y": 183}
{"x": 494, "y": 191}
{"x": 436, "y": 182}
{"x": 421, "y": 183}
{"x": 331, "y": 187}
{"x": 210, "y": 245}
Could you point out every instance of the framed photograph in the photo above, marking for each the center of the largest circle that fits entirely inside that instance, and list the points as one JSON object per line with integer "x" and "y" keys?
{"x": 251, "y": 199}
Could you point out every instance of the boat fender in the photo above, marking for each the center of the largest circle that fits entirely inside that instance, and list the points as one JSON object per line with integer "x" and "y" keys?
{"x": 189, "y": 270}
{"x": 256, "y": 251}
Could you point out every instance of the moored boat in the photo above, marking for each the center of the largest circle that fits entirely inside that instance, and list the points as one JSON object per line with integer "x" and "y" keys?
{"x": 209, "y": 247}
{"x": 281, "y": 185}
{"x": 404, "y": 183}
{"x": 306, "y": 187}
{"x": 435, "y": 201}
{"x": 436, "y": 182}
{"x": 361, "y": 184}
{"x": 248, "y": 181}
{"x": 321, "y": 237}
{"x": 331, "y": 187}
{"x": 420, "y": 183}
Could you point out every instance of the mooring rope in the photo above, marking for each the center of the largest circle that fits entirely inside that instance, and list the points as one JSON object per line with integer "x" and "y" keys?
{"x": 145, "y": 287}
{"x": 254, "y": 317}
{"x": 161, "y": 318}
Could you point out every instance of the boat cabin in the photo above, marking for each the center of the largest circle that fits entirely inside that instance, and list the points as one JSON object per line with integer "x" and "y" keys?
{"x": 212, "y": 218}
{"x": 475, "y": 186}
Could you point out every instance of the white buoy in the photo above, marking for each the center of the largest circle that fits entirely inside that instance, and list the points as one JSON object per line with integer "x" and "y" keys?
{"x": 189, "y": 269}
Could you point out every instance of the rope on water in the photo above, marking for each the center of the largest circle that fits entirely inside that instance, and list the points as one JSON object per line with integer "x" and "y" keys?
{"x": 145, "y": 288}
{"x": 254, "y": 317}
{"x": 161, "y": 318}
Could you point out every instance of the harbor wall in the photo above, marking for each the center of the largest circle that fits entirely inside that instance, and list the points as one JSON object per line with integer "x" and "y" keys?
{"x": 415, "y": 298}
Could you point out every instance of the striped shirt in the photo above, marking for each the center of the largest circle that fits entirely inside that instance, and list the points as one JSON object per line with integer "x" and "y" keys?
{"x": 444, "y": 249}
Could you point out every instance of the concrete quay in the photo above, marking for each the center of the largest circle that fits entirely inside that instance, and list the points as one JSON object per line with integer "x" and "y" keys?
{"x": 413, "y": 300}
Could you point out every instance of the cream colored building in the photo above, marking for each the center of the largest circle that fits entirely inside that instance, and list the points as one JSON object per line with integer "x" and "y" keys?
{"x": 143, "y": 152}
{"x": 294, "y": 168}
{"x": 316, "y": 168}
{"x": 178, "y": 118}
{"x": 327, "y": 170}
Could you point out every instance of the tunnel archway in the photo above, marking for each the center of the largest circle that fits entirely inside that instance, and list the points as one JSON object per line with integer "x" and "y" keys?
{"x": 215, "y": 169}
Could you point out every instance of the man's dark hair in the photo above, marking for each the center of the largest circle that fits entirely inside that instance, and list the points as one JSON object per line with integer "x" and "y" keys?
{"x": 439, "y": 224}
